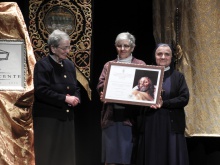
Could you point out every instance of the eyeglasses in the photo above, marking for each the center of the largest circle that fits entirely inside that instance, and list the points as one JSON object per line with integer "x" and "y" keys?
{"x": 65, "y": 48}
{"x": 123, "y": 46}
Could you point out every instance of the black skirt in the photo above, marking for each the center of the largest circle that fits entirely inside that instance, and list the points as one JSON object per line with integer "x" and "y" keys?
{"x": 54, "y": 141}
{"x": 158, "y": 145}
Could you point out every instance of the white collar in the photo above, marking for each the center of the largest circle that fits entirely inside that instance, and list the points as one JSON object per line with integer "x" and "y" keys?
{"x": 126, "y": 60}
{"x": 167, "y": 68}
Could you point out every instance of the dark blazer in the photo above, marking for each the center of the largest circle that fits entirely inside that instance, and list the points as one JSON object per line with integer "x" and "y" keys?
{"x": 52, "y": 82}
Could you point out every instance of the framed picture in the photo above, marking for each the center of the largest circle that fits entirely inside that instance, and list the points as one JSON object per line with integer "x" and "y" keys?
{"x": 12, "y": 64}
{"x": 133, "y": 84}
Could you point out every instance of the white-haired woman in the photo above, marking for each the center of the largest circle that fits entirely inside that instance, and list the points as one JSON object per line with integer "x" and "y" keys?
{"x": 116, "y": 119}
{"x": 56, "y": 94}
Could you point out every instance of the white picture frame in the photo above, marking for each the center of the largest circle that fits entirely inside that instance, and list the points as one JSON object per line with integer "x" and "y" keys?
{"x": 12, "y": 64}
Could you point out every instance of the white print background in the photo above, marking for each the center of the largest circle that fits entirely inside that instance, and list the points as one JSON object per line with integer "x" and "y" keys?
{"x": 13, "y": 66}
{"x": 120, "y": 84}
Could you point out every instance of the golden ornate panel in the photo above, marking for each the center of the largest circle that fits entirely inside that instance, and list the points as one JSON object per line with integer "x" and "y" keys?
{"x": 73, "y": 17}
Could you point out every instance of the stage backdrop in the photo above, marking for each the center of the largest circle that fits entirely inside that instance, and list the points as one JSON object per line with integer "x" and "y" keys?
{"x": 193, "y": 28}
{"x": 71, "y": 16}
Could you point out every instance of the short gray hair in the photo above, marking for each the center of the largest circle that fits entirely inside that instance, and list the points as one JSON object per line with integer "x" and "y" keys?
{"x": 56, "y": 36}
{"x": 126, "y": 36}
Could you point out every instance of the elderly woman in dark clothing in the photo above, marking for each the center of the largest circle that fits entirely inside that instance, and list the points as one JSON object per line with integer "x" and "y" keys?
{"x": 116, "y": 119}
{"x": 56, "y": 94}
{"x": 162, "y": 140}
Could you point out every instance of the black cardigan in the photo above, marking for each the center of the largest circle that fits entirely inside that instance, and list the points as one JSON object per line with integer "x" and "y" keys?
{"x": 52, "y": 82}
{"x": 179, "y": 98}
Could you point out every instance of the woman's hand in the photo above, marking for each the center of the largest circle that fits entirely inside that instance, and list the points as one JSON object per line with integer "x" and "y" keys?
{"x": 101, "y": 97}
{"x": 158, "y": 105}
{"x": 72, "y": 100}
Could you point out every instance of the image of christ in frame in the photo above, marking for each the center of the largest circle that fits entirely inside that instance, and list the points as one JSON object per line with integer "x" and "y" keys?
{"x": 133, "y": 84}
